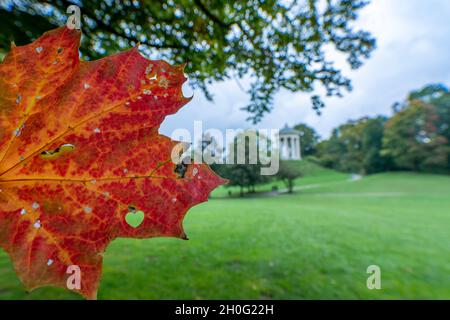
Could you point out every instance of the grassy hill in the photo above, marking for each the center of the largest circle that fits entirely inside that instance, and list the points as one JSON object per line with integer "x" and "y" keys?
{"x": 312, "y": 174}
{"x": 314, "y": 244}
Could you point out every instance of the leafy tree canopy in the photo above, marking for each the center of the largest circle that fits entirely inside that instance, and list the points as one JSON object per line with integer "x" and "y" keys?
{"x": 417, "y": 136}
{"x": 245, "y": 154}
{"x": 309, "y": 139}
{"x": 289, "y": 171}
{"x": 277, "y": 44}
{"x": 355, "y": 147}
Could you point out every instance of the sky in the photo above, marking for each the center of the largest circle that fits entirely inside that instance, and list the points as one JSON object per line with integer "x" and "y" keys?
{"x": 413, "y": 49}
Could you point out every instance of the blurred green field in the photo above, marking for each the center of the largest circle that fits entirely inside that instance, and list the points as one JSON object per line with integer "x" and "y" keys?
{"x": 314, "y": 244}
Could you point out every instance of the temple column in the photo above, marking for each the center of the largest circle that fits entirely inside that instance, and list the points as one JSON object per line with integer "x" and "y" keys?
{"x": 294, "y": 149}
{"x": 297, "y": 148}
{"x": 282, "y": 147}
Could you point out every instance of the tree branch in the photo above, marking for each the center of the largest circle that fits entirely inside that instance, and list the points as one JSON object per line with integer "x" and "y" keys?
{"x": 210, "y": 15}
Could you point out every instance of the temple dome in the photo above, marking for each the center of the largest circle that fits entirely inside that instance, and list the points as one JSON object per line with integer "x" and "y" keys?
{"x": 288, "y": 130}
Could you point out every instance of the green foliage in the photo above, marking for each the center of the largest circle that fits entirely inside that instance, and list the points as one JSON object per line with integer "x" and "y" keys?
{"x": 355, "y": 147}
{"x": 288, "y": 172}
{"x": 279, "y": 44}
{"x": 371, "y": 146}
{"x": 309, "y": 139}
{"x": 439, "y": 96}
{"x": 244, "y": 172}
{"x": 415, "y": 138}
{"x": 413, "y": 141}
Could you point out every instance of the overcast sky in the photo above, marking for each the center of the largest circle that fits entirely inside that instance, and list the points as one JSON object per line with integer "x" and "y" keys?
{"x": 413, "y": 49}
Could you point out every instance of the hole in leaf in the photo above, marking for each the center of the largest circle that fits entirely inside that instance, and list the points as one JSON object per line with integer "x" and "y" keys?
{"x": 180, "y": 169}
{"x": 52, "y": 154}
{"x": 60, "y": 50}
{"x": 134, "y": 217}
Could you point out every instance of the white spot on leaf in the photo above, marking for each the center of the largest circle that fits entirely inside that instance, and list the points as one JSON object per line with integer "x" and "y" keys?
{"x": 37, "y": 224}
{"x": 86, "y": 86}
{"x": 23, "y": 211}
{"x": 87, "y": 209}
{"x": 97, "y": 130}
{"x": 49, "y": 262}
{"x": 35, "y": 205}
{"x": 39, "y": 49}
{"x": 18, "y": 131}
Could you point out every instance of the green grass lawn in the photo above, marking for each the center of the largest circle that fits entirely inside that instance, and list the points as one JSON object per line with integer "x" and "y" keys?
{"x": 314, "y": 244}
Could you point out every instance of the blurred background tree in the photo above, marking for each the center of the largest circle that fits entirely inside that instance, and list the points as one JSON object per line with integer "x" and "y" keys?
{"x": 276, "y": 44}
{"x": 415, "y": 138}
{"x": 288, "y": 172}
{"x": 244, "y": 168}
{"x": 309, "y": 139}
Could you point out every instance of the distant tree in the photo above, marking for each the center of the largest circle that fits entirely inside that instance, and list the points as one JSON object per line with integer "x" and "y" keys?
{"x": 288, "y": 172}
{"x": 238, "y": 175}
{"x": 329, "y": 151}
{"x": 355, "y": 147}
{"x": 308, "y": 139}
{"x": 439, "y": 96}
{"x": 429, "y": 94}
{"x": 372, "y": 143}
{"x": 413, "y": 140}
{"x": 343, "y": 151}
{"x": 279, "y": 44}
{"x": 244, "y": 172}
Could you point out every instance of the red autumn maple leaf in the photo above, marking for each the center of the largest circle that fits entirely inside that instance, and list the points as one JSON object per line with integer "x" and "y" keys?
{"x": 80, "y": 152}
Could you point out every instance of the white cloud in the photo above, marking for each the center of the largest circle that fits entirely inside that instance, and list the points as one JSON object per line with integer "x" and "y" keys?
{"x": 413, "y": 50}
